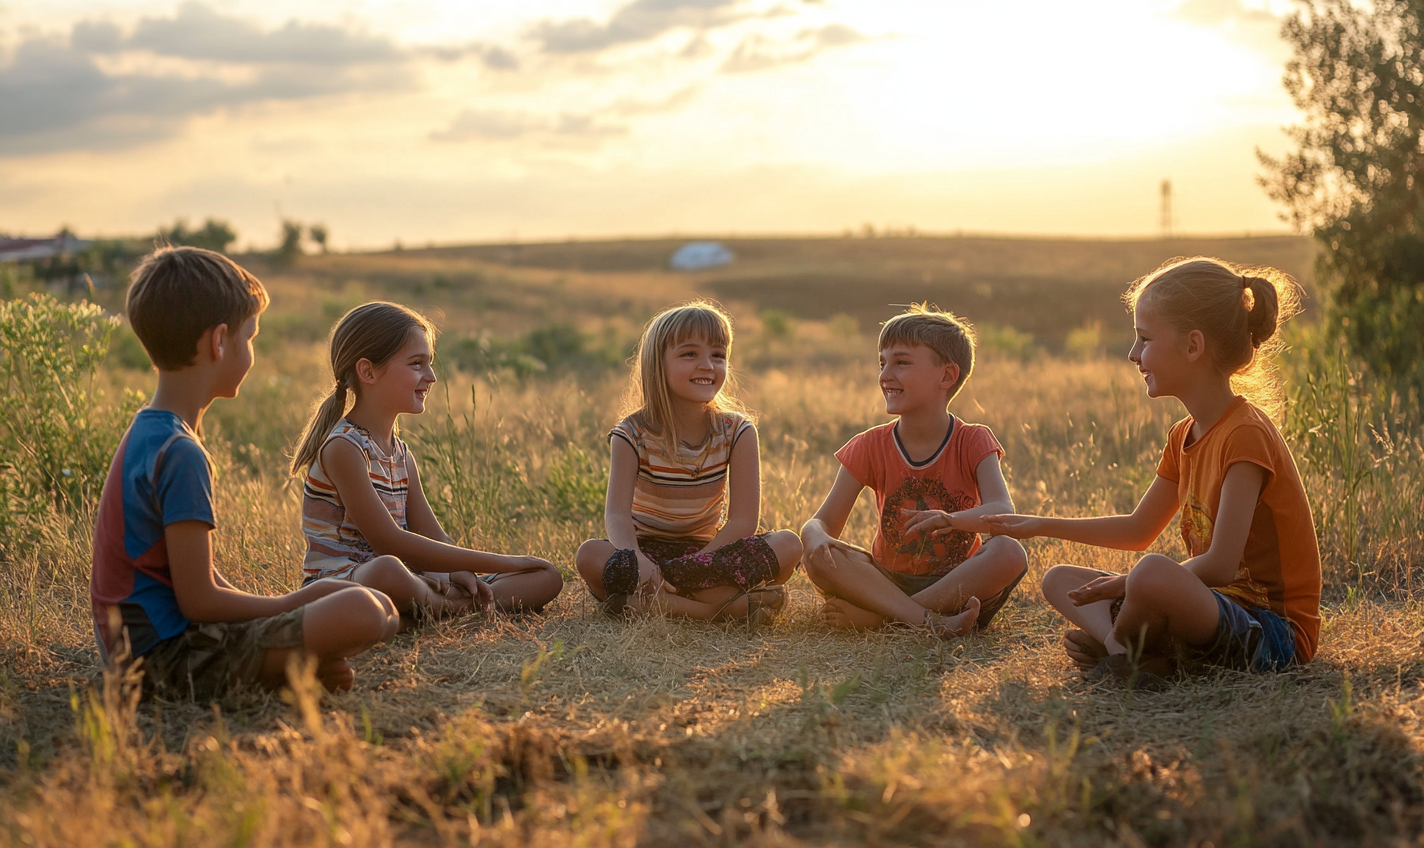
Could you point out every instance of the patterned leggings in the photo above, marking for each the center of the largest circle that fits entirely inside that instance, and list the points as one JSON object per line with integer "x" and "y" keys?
{"x": 744, "y": 563}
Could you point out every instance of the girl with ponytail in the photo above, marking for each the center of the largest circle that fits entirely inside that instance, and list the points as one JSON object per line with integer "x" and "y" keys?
{"x": 1248, "y": 596}
{"x": 364, "y": 513}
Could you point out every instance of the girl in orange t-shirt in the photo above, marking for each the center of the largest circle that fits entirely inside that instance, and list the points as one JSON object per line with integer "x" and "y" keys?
{"x": 1248, "y": 597}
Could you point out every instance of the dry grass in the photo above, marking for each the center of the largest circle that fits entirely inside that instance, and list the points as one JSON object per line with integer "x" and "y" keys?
{"x": 567, "y": 729}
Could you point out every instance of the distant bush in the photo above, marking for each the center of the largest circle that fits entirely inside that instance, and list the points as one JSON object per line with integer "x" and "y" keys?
{"x": 56, "y": 437}
{"x": 1086, "y": 342}
{"x": 548, "y": 350}
{"x": 213, "y": 235}
{"x": 1006, "y": 342}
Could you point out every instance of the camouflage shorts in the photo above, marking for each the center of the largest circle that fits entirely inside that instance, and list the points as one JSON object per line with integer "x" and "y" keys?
{"x": 207, "y": 660}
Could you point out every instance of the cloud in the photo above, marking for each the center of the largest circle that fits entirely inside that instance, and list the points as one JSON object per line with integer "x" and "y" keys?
{"x": 758, "y": 53}
{"x": 493, "y": 56}
{"x": 56, "y": 96}
{"x": 641, "y": 20}
{"x": 1218, "y": 12}
{"x": 563, "y": 128}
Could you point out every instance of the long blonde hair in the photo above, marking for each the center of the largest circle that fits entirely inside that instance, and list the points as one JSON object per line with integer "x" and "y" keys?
{"x": 1238, "y": 308}
{"x": 373, "y": 331}
{"x": 647, "y": 396}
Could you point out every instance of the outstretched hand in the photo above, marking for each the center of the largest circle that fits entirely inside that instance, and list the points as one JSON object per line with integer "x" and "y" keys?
{"x": 1013, "y": 526}
{"x": 1109, "y": 587}
{"x": 937, "y": 522}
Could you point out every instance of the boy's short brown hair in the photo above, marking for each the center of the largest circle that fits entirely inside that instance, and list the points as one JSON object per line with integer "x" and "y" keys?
{"x": 949, "y": 336}
{"x": 179, "y": 293}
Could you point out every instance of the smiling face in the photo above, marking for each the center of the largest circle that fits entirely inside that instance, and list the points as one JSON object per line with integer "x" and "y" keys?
{"x": 402, "y": 383}
{"x": 913, "y": 378}
{"x": 1159, "y": 352}
{"x": 696, "y": 370}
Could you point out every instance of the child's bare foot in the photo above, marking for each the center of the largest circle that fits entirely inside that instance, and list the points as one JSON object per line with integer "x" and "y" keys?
{"x": 765, "y": 603}
{"x": 1085, "y": 651}
{"x": 844, "y": 615}
{"x": 336, "y": 675}
{"x": 952, "y": 626}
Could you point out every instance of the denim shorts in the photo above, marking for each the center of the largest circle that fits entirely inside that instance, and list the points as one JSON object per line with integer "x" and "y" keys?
{"x": 1247, "y": 639}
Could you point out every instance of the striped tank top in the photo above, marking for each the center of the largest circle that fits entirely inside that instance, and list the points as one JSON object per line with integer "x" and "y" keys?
{"x": 331, "y": 536}
{"x": 684, "y": 492}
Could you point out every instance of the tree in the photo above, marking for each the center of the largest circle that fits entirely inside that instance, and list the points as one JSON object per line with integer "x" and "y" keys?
{"x": 290, "y": 246}
{"x": 214, "y": 235}
{"x": 318, "y": 234}
{"x": 1357, "y": 177}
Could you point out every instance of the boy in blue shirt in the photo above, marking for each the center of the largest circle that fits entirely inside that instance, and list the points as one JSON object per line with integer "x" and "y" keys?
{"x": 156, "y": 594}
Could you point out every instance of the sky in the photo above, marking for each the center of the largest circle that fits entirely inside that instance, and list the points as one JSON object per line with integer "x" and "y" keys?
{"x": 452, "y": 121}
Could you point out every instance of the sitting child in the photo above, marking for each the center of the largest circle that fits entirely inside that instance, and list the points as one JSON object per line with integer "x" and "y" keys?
{"x": 156, "y": 594}
{"x": 364, "y": 512}
{"x": 1248, "y": 596}
{"x": 934, "y": 476}
{"x": 685, "y": 450}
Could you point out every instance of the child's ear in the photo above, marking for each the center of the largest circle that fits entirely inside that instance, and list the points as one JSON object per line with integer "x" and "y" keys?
{"x": 951, "y": 375}
{"x": 365, "y": 371}
{"x": 210, "y": 343}
{"x": 1194, "y": 345}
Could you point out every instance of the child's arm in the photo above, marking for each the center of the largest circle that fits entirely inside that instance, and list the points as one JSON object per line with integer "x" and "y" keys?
{"x": 743, "y": 492}
{"x": 346, "y": 466}
{"x": 1240, "y": 492}
{"x": 1135, "y": 532}
{"x": 994, "y": 499}
{"x": 618, "y": 507}
{"x": 204, "y": 596}
{"x": 822, "y": 533}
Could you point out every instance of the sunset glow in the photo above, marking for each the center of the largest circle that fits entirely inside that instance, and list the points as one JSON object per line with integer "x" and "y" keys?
{"x": 450, "y": 121}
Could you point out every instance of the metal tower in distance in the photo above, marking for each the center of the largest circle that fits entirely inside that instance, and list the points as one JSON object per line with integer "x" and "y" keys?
{"x": 1166, "y": 209}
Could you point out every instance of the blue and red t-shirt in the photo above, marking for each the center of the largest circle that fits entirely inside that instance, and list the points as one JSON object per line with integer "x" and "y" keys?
{"x": 160, "y": 476}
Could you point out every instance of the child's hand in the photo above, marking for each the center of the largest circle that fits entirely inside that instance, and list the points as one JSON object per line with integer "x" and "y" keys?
{"x": 1109, "y": 587}
{"x": 937, "y": 522}
{"x": 1013, "y": 526}
{"x": 819, "y": 550}
{"x": 650, "y": 576}
{"x": 474, "y": 587}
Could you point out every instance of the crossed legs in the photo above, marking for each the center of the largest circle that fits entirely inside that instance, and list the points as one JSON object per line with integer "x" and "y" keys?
{"x": 860, "y": 597}
{"x": 1164, "y": 603}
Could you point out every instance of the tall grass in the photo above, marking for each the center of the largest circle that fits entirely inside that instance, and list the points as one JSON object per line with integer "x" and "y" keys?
{"x": 569, "y": 730}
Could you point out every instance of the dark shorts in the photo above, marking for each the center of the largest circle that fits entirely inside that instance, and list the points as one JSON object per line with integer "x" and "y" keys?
{"x": 744, "y": 563}
{"x": 913, "y": 584}
{"x": 1247, "y": 639}
{"x": 207, "y": 660}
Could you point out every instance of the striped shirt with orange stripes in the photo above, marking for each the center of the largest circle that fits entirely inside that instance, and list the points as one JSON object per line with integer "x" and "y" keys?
{"x": 681, "y": 493}
{"x": 335, "y": 546}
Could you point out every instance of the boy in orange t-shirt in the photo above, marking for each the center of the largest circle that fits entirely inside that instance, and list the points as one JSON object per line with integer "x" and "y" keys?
{"x": 933, "y": 477}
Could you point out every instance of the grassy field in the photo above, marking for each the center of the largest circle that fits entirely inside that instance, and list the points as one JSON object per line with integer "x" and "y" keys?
{"x": 568, "y": 729}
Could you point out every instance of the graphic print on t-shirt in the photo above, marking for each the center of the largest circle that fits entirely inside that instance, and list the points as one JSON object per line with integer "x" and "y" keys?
{"x": 922, "y": 493}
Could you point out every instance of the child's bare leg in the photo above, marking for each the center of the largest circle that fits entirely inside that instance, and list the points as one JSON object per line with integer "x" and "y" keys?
{"x": 1164, "y": 603}
{"x": 863, "y": 597}
{"x": 528, "y": 590}
{"x": 591, "y": 558}
{"x": 995, "y": 566}
{"x": 787, "y": 546}
{"x": 1088, "y": 645}
{"x": 388, "y": 575}
{"x": 340, "y": 625}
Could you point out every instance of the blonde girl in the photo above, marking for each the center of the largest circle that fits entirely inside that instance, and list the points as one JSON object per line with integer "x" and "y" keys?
{"x": 685, "y": 452}
{"x": 364, "y": 512}
{"x": 1248, "y": 596}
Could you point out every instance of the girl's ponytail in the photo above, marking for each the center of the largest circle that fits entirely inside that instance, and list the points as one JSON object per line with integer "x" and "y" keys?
{"x": 1262, "y": 309}
{"x": 372, "y": 331}
{"x": 1237, "y": 308}
{"x": 322, "y": 422}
